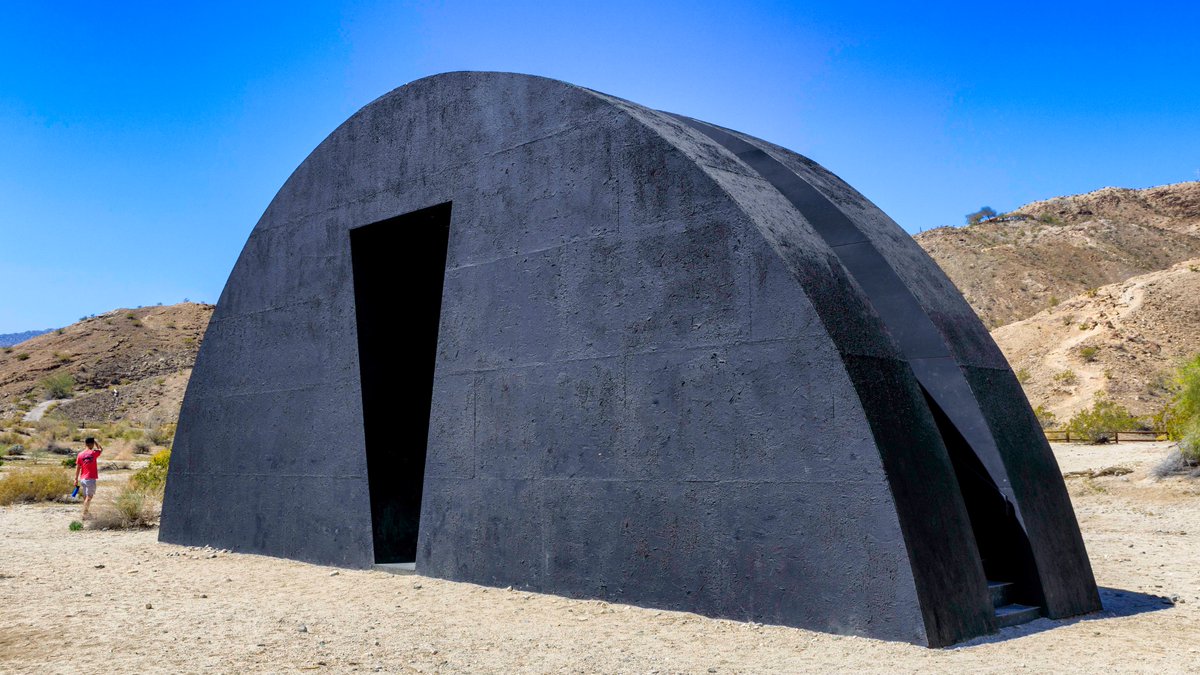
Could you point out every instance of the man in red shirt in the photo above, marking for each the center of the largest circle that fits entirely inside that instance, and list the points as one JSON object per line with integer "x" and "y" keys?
{"x": 87, "y": 471}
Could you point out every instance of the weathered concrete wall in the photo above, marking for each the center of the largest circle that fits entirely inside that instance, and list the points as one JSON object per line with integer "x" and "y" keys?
{"x": 1029, "y": 466}
{"x": 655, "y": 382}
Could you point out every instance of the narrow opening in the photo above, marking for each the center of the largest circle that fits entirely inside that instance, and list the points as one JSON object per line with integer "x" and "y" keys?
{"x": 399, "y": 265}
{"x": 1002, "y": 544}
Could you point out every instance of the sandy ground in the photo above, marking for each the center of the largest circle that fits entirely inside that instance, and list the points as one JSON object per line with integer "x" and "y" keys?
{"x": 122, "y": 602}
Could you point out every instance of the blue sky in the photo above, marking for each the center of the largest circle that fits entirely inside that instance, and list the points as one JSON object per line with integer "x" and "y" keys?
{"x": 140, "y": 142}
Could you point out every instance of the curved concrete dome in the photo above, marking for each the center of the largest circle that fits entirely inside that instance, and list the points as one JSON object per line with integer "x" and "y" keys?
{"x": 518, "y": 332}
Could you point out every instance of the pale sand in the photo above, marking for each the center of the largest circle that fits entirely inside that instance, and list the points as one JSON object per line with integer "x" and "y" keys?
{"x": 1143, "y": 537}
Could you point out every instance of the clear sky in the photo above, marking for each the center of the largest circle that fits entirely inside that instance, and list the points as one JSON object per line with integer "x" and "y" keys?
{"x": 140, "y": 142}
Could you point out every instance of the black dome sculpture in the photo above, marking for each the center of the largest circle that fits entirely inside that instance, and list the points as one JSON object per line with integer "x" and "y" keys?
{"x": 523, "y": 333}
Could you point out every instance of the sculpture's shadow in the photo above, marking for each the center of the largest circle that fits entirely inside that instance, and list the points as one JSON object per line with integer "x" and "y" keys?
{"x": 1116, "y": 602}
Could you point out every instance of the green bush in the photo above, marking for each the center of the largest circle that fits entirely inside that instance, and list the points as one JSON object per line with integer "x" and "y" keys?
{"x": 153, "y": 478}
{"x": 1044, "y": 417}
{"x": 1181, "y": 418}
{"x": 1066, "y": 378}
{"x": 1088, "y": 353}
{"x": 76, "y": 526}
{"x": 1098, "y": 422}
{"x": 58, "y": 386}
{"x": 1189, "y": 447}
{"x": 1023, "y": 375}
{"x": 1184, "y": 412}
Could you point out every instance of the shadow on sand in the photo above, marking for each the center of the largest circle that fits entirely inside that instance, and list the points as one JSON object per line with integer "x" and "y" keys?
{"x": 1117, "y": 603}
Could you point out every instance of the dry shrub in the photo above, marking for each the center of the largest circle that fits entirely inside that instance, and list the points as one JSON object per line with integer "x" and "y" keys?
{"x": 161, "y": 434}
{"x": 56, "y": 448}
{"x": 35, "y": 484}
{"x": 1175, "y": 462}
{"x": 55, "y": 426}
{"x": 129, "y": 509}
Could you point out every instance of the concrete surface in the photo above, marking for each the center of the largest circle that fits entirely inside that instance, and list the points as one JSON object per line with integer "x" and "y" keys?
{"x": 656, "y": 381}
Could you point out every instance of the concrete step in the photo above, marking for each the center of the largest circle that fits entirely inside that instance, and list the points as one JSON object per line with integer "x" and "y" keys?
{"x": 397, "y": 568}
{"x": 1001, "y": 592}
{"x": 1013, "y": 614}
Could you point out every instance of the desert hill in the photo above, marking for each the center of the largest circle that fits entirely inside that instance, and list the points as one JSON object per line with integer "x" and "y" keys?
{"x": 1123, "y": 339}
{"x": 1012, "y": 267}
{"x": 144, "y": 355}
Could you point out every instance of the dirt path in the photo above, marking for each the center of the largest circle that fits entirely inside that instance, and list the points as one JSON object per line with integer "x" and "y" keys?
{"x": 153, "y": 607}
{"x": 38, "y": 411}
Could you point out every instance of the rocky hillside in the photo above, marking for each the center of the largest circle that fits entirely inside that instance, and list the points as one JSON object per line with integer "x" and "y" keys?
{"x": 1043, "y": 253}
{"x": 1123, "y": 339}
{"x": 128, "y": 364}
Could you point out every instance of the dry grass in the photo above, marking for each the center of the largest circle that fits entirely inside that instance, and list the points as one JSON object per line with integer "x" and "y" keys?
{"x": 35, "y": 484}
{"x": 129, "y": 509}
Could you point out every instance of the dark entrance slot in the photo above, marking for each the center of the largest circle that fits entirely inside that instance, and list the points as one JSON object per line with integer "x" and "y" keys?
{"x": 399, "y": 266}
{"x": 1002, "y": 544}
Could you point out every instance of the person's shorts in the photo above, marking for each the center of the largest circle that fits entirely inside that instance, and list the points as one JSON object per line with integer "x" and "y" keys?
{"x": 87, "y": 487}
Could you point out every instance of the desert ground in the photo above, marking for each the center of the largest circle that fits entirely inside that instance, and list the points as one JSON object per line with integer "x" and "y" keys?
{"x": 122, "y": 602}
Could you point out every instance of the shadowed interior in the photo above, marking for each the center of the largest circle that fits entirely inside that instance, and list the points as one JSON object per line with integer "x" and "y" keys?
{"x": 1003, "y": 547}
{"x": 399, "y": 266}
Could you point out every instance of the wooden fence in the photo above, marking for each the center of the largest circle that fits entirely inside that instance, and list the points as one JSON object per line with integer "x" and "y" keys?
{"x": 1064, "y": 436}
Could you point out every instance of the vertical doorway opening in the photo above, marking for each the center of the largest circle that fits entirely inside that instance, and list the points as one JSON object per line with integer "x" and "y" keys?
{"x": 399, "y": 266}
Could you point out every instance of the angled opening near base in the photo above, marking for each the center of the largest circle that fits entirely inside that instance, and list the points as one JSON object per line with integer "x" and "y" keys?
{"x": 1001, "y": 542}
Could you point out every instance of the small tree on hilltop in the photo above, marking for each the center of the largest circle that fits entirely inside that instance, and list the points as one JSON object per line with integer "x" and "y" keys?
{"x": 986, "y": 213}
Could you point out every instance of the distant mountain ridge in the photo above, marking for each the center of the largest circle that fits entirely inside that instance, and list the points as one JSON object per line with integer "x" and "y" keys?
{"x": 10, "y": 339}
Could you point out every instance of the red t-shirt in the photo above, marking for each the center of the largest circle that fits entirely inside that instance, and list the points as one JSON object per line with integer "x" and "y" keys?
{"x": 86, "y": 461}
